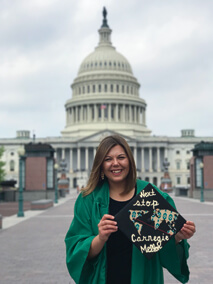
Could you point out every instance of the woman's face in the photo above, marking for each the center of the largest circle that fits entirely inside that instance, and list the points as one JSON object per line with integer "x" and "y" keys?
{"x": 116, "y": 164}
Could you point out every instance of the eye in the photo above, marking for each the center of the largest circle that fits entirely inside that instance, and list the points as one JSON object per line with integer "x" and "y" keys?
{"x": 121, "y": 157}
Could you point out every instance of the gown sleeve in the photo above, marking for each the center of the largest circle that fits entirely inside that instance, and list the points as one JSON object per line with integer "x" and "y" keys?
{"x": 174, "y": 257}
{"x": 78, "y": 239}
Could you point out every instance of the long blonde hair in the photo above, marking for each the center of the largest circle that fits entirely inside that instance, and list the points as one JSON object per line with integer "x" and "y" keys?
{"x": 104, "y": 147}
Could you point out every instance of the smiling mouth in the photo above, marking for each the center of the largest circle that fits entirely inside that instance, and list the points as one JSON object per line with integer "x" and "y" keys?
{"x": 116, "y": 171}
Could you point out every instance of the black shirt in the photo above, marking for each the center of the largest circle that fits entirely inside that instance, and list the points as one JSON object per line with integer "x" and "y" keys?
{"x": 119, "y": 251}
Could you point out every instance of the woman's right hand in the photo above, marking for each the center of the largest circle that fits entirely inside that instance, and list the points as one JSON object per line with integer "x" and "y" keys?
{"x": 106, "y": 226}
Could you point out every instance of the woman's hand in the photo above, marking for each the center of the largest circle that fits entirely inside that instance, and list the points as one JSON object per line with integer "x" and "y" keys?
{"x": 186, "y": 232}
{"x": 106, "y": 226}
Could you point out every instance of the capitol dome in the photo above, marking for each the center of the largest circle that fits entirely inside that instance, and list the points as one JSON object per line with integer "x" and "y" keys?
{"x": 105, "y": 58}
{"x": 105, "y": 94}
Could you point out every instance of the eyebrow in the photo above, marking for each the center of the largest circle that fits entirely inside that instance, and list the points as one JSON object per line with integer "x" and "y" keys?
{"x": 122, "y": 154}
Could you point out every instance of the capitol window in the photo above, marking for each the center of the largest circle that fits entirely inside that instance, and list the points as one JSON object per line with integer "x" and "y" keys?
{"x": 105, "y": 87}
{"x": 117, "y": 88}
{"x": 111, "y": 88}
{"x": 12, "y": 165}
{"x": 188, "y": 165}
{"x": 178, "y": 165}
{"x": 178, "y": 180}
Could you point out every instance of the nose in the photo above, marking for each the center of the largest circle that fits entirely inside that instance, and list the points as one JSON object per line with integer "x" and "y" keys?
{"x": 115, "y": 162}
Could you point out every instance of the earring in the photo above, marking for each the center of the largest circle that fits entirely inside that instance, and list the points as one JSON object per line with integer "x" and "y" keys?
{"x": 102, "y": 175}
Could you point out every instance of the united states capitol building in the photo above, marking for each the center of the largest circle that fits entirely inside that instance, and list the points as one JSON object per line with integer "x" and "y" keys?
{"x": 106, "y": 100}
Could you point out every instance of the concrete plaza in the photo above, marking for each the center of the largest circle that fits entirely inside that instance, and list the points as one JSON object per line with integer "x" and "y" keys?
{"x": 32, "y": 249}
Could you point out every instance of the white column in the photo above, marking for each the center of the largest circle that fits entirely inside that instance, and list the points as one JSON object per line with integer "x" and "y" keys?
{"x": 86, "y": 159}
{"x": 102, "y": 114}
{"x": 135, "y": 112}
{"x": 81, "y": 113}
{"x": 124, "y": 117}
{"x": 94, "y": 152}
{"x": 142, "y": 160}
{"x": 79, "y": 158}
{"x": 71, "y": 114}
{"x": 88, "y": 114}
{"x": 165, "y": 153}
{"x": 144, "y": 117}
{"x": 71, "y": 158}
{"x": 116, "y": 112}
{"x": 150, "y": 160}
{"x": 130, "y": 113}
{"x": 109, "y": 112}
{"x": 63, "y": 153}
{"x": 158, "y": 159}
{"x": 138, "y": 114}
{"x": 76, "y": 113}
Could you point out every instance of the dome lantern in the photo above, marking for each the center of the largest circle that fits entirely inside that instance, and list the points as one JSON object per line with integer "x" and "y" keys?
{"x": 105, "y": 31}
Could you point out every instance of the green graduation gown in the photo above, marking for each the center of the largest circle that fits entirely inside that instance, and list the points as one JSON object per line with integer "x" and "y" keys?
{"x": 87, "y": 214}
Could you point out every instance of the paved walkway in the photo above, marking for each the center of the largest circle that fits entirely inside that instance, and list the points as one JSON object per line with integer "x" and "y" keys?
{"x": 32, "y": 249}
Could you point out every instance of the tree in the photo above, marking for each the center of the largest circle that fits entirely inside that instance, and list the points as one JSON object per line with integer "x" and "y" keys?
{"x": 2, "y": 171}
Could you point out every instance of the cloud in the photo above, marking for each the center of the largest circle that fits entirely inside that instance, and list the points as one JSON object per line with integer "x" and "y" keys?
{"x": 168, "y": 44}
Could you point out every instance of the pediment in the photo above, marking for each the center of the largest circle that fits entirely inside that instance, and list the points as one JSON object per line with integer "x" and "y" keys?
{"x": 98, "y": 136}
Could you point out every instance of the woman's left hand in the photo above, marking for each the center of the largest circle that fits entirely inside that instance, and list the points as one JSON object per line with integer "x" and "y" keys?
{"x": 186, "y": 232}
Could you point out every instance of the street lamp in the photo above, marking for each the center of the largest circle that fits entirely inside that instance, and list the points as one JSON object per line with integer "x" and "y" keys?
{"x": 56, "y": 184}
{"x": 201, "y": 184}
{"x": 21, "y": 153}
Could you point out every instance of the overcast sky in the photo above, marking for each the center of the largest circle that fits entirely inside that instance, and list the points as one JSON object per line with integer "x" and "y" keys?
{"x": 169, "y": 44}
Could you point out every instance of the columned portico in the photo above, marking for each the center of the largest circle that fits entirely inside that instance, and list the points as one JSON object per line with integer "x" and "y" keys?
{"x": 82, "y": 159}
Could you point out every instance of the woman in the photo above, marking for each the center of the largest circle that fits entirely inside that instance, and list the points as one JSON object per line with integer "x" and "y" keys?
{"x": 97, "y": 251}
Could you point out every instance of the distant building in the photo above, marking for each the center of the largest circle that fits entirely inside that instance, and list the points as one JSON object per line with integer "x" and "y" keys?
{"x": 105, "y": 100}
{"x": 202, "y": 171}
